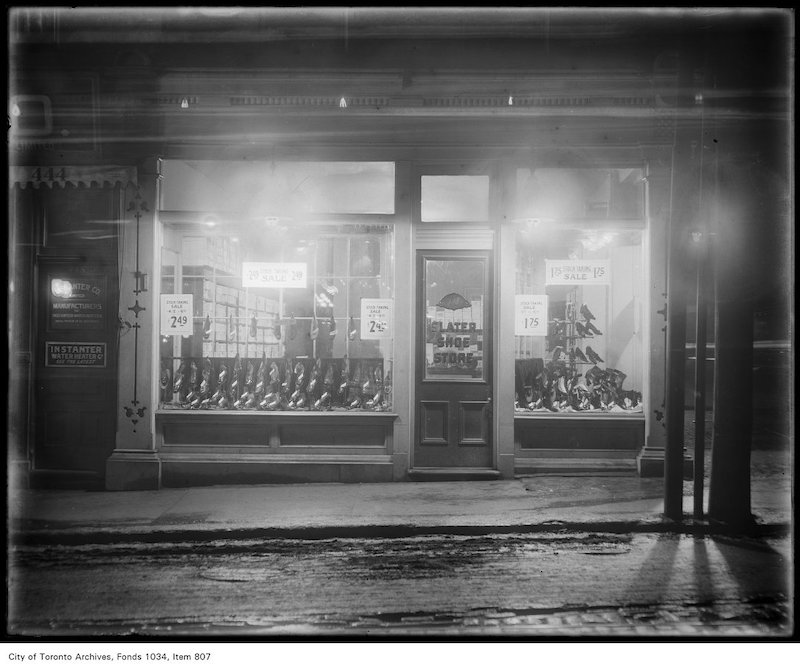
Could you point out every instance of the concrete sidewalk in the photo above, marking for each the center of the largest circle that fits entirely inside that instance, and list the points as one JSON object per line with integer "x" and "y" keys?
{"x": 529, "y": 503}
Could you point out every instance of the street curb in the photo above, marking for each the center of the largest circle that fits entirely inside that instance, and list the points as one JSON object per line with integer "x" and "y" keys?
{"x": 77, "y": 537}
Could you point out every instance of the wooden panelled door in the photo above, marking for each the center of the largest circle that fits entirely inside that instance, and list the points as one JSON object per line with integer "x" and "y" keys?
{"x": 453, "y": 422}
{"x": 75, "y": 385}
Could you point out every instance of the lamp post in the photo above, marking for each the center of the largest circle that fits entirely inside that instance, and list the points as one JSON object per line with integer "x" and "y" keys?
{"x": 700, "y": 241}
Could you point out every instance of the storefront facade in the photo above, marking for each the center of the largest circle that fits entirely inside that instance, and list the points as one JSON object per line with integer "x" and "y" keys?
{"x": 452, "y": 269}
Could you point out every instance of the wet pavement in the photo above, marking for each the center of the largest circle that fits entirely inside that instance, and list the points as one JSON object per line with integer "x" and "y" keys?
{"x": 617, "y": 502}
{"x": 538, "y": 556}
{"x": 656, "y": 585}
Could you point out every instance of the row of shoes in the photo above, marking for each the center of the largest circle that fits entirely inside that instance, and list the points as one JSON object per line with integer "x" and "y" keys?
{"x": 269, "y": 388}
{"x": 576, "y": 354}
{"x": 555, "y": 389}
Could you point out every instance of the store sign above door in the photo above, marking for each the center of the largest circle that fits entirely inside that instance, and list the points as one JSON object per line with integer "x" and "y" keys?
{"x": 274, "y": 275}
{"x": 577, "y": 273}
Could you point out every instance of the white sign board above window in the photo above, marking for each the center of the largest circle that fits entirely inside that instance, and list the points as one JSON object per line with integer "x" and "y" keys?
{"x": 274, "y": 275}
{"x": 577, "y": 273}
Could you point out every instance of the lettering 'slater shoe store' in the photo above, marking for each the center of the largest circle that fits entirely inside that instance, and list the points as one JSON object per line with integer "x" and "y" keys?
{"x": 291, "y": 262}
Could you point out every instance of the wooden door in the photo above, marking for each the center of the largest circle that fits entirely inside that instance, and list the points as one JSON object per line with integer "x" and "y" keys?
{"x": 75, "y": 369}
{"x": 453, "y": 421}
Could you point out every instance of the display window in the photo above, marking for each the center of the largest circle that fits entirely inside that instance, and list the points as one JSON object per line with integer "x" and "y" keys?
{"x": 579, "y": 297}
{"x": 278, "y": 317}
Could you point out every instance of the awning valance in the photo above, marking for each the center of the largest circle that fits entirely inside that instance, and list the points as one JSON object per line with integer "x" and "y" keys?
{"x": 75, "y": 175}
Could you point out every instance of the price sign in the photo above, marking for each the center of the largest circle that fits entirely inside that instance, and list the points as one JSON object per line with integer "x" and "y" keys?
{"x": 531, "y": 315}
{"x": 577, "y": 273}
{"x": 176, "y": 314}
{"x": 274, "y": 275}
{"x": 377, "y": 318}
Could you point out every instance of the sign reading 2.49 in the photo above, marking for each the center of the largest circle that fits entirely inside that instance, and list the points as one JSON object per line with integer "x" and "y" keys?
{"x": 177, "y": 314}
{"x": 377, "y": 316}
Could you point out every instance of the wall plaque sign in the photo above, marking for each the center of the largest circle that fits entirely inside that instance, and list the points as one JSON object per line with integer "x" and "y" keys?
{"x": 75, "y": 354}
{"x": 77, "y": 303}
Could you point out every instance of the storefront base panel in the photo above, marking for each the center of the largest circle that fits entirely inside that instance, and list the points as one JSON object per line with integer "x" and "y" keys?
{"x": 18, "y": 475}
{"x": 70, "y": 480}
{"x": 264, "y": 429}
{"x": 273, "y": 469}
{"x": 133, "y": 470}
{"x": 579, "y": 433}
{"x": 618, "y": 462}
{"x": 651, "y": 463}
{"x": 453, "y": 474}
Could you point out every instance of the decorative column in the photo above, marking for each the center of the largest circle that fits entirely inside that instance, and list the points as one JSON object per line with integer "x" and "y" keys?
{"x": 650, "y": 461}
{"x": 404, "y": 366}
{"x": 504, "y": 290}
{"x": 134, "y": 463}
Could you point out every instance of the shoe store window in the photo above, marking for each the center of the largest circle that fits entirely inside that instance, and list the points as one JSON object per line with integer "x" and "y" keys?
{"x": 580, "y": 292}
{"x": 277, "y": 302}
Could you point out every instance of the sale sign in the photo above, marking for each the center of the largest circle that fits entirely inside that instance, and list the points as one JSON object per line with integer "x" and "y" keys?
{"x": 274, "y": 275}
{"x": 377, "y": 318}
{"x": 577, "y": 273}
{"x": 531, "y": 315}
{"x": 176, "y": 314}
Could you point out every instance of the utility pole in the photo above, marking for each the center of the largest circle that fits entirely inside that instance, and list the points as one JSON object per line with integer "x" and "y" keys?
{"x": 729, "y": 489}
{"x": 683, "y": 190}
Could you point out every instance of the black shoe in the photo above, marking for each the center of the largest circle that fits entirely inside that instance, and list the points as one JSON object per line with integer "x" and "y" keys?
{"x": 557, "y": 352}
{"x": 582, "y": 329}
{"x": 594, "y": 357}
{"x": 579, "y": 354}
{"x": 591, "y": 328}
{"x": 587, "y": 315}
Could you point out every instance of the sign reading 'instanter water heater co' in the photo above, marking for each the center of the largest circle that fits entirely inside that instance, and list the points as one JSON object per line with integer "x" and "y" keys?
{"x": 75, "y": 354}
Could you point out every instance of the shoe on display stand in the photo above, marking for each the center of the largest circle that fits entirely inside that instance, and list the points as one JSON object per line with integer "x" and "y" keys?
{"x": 594, "y": 357}
{"x": 591, "y": 328}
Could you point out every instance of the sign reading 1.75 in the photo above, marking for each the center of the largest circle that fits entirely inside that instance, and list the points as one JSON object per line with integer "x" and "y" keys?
{"x": 531, "y": 315}
{"x": 274, "y": 275}
{"x": 577, "y": 273}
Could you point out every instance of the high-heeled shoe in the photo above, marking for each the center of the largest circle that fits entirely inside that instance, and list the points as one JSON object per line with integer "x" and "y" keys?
{"x": 587, "y": 315}
{"x": 591, "y": 328}
{"x": 593, "y": 357}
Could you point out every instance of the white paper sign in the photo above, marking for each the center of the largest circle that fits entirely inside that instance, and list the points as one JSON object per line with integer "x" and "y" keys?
{"x": 377, "y": 318}
{"x": 176, "y": 314}
{"x": 577, "y": 273}
{"x": 531, "y": 315}
{"x": 274, "y": 275}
